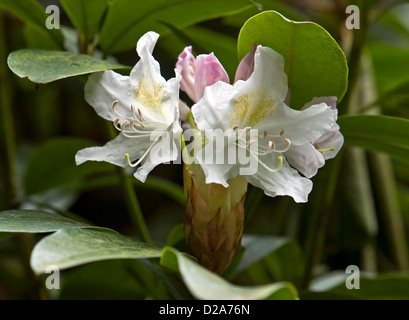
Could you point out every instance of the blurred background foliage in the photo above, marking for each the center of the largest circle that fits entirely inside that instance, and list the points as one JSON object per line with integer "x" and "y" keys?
{"x": 358, "y": 211}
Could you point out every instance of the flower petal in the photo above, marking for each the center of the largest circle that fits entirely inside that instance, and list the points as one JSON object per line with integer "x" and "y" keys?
{"x": 152, "y": 94}
{"x": 114, "y": 151}
{"x": 212, "y": 111}
{"x": 306, "y": 159}
{"x": 186, "y": 66}
{"x": 285, "y": 182}
{"x": 331, "y": 139}
{"x": 208, "y": 71}
{"x": 103, "y": 88}
{"x": 163, "y": 151}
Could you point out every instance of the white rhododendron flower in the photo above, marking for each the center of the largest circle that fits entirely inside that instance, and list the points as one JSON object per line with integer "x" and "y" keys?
{"x": 257, "y": 105}
{"x": 143, "y": 106}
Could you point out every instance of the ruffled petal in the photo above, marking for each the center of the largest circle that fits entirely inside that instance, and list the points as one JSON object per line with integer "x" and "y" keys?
{"x": 166, "y": 149}
{"x": 114, "y": 151}
{"x": 285, "y": 182}
{"x": 152, "y": 94}
{"x": 306, "y": 159}
{"x": 103, "y": 88}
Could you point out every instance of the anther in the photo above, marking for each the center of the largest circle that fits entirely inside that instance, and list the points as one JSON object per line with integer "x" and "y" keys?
{"x": 235, "y": 127}
{"x": 114, "y": 105}
{"x": 265, "y": 134}
{"x": 139, "y": 111}
{"x": 287, "y": 141}
{"x": 123, "y": 124}
{"x": 247, "y": 129}
{"x": 116, "y": 122}
{"x": 281, "y": 132}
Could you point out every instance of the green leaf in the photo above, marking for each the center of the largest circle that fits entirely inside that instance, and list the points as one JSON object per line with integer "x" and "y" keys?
{"x": 72, "y": 247}
{"x": 391, "y": 286}
{"x": 223, "y": 46}
{"x": 390, "y": 65}
{"x": 176, "y": 236}
{"x": 175, "y": 287}
{"x": 377, "y": 133}
{"x": 42, "y": 66}
{"x": 85, "y": 15}
{"x": 128, "y": 20}
{"x": 52, "y": 164}
{"x": 34, "y": 221}
{"x": 31, "y": 12}
{"x": 206, "y": 285}
{"x": 314, "y": 63}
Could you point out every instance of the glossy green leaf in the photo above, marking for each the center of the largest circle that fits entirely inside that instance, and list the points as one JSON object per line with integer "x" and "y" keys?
{"x": 206, "y": 285}
{"x": 377, "y": 133}
{"x": 34, "y": 221}
{"x": 85, "y": 15}
{"x": 31, "y": 12}
{"x": 52, "y": 164}
{"x": 388, "y": 286}
{"x": 128, "y": 20}
{"x": 72, "y": 247}
{"x": 314, "y": 63}
{"x": 42, "y": 66}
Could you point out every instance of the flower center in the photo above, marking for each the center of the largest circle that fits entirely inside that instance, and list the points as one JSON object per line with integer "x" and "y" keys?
{"x": 137, "y": 126}
{"x": 259, "y": 145}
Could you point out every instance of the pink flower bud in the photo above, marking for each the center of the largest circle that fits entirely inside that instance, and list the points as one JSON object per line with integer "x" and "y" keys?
{"x": 246, "y": 66}
{"x": 186, "y": 66}
{"x": 208, "y": 71}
